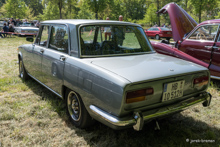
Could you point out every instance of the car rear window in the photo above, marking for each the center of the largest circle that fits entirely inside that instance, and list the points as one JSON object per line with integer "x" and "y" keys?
{"x": 165, "y": 29}
{"x": 113, "y": 40}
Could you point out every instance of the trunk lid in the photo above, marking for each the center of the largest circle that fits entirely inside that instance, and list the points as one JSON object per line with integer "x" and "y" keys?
{"x": 146, "y": 67}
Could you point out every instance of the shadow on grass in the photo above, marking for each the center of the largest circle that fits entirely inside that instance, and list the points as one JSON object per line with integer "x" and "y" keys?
{"x": 177, "y": 130}
{"x": 215, "y": 83}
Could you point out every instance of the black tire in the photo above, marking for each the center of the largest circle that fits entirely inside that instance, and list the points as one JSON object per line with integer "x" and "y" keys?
{"x": 168, "y": 38}
{"x": 157, "y": 37}
{"x": 77, "y": 111}
{"x": 22, "y": 72}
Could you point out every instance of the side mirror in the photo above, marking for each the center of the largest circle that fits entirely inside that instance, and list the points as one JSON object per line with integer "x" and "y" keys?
{"x": 30, "y": 39}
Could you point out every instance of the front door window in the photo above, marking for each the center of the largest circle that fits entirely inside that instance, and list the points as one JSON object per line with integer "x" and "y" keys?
{"x": 43, "y": 36}
{"x": 207, "y": 33}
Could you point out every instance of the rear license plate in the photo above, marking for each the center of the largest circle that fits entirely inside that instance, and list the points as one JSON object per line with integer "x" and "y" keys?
{"x": 173, "y": 90}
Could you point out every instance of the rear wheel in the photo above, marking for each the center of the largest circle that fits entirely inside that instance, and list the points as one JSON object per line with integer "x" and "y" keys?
{"x": 77, "y": 111}
{"x": 157, "y": 37}
{"x": 22, "y": 72}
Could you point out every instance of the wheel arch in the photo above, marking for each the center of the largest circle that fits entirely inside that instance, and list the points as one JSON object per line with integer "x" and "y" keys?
{"x": 20, "y": 56}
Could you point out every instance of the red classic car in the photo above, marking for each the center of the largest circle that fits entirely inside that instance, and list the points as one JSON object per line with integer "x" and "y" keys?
{"x": 159, "y": 32}
{"x": 201, "y": 41}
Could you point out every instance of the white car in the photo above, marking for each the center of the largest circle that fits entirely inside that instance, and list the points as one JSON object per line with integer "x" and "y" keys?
{"x": 26, "y": 29}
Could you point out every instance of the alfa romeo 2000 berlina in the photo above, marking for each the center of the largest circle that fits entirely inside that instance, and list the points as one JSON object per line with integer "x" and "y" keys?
{"x": 117, "y": 79}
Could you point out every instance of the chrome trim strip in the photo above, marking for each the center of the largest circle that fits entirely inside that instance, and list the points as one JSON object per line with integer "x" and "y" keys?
{"x": 160, "y": 112}
{"x": 215, "y": 77}
{"x": 45, "y": 86}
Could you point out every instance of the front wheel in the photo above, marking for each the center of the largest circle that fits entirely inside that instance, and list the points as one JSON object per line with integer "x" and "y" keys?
{"x": 77, "y": 111}
{"x": 157, "y": 37}
{"x": 22, "y": 72}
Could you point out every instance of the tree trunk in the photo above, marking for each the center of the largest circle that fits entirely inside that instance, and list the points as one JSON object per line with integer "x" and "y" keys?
{"x": 158, "y": 15}
{"x": 200, "y": 9}
{"x": 96, "y": 15}
{"x": 60, "y": 9}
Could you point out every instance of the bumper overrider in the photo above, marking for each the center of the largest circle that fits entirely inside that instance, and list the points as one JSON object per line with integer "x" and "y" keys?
{"x": 137, "y": 121}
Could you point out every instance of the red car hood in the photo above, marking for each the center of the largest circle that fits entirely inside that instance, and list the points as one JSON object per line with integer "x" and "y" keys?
{"x": 181, "y": 21}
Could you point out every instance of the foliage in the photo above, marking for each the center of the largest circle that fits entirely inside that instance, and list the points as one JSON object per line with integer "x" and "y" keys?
{"x": 15, "y": 9}
{"x": 137, "y": 11}
{"x": 35, "y": 6}
{"x": 84, "y": 12}
{"x": 201, "y": 6}
{"x": 71, "y": 9}
{"x": 50, "y": 12}
{"x": 97, "y": 6}
{"x": 151, "y": 18}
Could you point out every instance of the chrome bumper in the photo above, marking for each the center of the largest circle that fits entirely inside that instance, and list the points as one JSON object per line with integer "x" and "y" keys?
{"x": 140, "y": 117}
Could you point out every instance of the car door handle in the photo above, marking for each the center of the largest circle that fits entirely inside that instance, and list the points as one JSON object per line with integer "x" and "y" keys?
{"x": 208, "y": 47}
{"x": 42, "y": 51}
{"x": 62, "y": 58}
{"x": 216, "y": 48}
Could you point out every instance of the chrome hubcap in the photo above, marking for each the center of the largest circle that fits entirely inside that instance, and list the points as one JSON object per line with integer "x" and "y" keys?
{"x": 73, "y": 106}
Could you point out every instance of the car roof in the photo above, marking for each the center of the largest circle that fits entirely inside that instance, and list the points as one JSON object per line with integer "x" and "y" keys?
{"x": 87, "y": 21}
{"x": 213, "y": 21}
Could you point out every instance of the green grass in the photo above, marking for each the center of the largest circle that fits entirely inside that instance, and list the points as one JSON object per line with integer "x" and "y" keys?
{"x": 30, "y": 115}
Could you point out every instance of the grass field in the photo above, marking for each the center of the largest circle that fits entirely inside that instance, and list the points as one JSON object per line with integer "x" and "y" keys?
{"x": 30, "y": 115}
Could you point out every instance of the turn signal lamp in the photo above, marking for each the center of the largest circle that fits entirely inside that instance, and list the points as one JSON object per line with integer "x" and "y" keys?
{"x": 138, "y": 95}
{"x": 198, "y": 82}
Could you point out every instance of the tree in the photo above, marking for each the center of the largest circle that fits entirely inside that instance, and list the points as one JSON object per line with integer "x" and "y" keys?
{"x": 2, "y": 2}
{"x": 151, "y": 16}
{"x": 202, "y": 5}
{"x": 59, "y": 4}
{"x": 35, "y": 6}
{"x": 97, "y": 6}
{"x": 71, "y": 9}
{"x": 50, "y": 12}
{"x": 15, "y": 8}
{"x": 84, "y": 12}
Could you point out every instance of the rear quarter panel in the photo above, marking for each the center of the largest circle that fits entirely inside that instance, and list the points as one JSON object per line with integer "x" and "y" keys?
{"x": 96, "y": 86}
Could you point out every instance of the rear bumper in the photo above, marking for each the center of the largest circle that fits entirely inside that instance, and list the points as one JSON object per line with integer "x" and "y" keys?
{"x": 165, "y": 35}
{"x": 139, "y": 118}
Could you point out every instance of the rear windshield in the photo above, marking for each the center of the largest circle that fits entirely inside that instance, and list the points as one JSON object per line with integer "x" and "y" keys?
{"x": 113, "y": 40}
{"x": 165, "y": 29}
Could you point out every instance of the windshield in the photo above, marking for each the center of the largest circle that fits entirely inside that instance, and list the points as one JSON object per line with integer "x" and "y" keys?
{"x": 109, "y": 40}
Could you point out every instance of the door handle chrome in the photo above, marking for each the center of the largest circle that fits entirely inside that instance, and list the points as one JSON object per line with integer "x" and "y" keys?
{"x": 62, "y": 58}
{"x": 216, "y": 47}
{"x": 41, "y": 50}
{"x": 208, "y": 47}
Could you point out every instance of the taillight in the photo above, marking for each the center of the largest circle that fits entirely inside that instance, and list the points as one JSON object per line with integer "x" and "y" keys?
{"x": 138, "y": 95}
{"x": 198, "y": 82}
